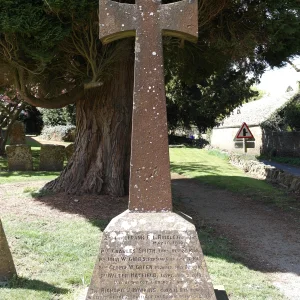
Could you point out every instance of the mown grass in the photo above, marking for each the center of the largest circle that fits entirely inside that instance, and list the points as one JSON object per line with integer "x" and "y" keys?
{"x": 239, "y": 281}
{"x": 20, "y": 176}
{"x": 214, "y": 169}
{"x": 54, "y": 258}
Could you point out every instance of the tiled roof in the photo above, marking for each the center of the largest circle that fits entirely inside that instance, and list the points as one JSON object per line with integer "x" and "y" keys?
{"x": 254, "y": 113}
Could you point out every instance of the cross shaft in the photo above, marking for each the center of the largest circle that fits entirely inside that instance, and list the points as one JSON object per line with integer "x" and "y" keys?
{"x": 150, "y": 183}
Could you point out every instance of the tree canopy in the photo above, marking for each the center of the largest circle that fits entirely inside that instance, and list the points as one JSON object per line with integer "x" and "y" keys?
{"x": 207, "y": 81}
{"x": 51, "y": 53}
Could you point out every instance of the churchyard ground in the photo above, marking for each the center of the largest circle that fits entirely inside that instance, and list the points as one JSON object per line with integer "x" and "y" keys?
{"x": 54, "y": 238}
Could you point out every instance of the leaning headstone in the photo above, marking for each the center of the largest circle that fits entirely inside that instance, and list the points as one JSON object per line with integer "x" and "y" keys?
{"x": 17, "y": 134}
{"x": 52, "y": 157}
{"x": 19, "y": 157}
{"x": 149, "y": 252}
{"x": 69, "y": 151}
{"x": 7, "y": 267}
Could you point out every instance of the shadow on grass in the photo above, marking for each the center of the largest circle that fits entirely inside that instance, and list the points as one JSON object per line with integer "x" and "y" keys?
{"x": 222, "y": 219}
{"x": 91, "y": 207}
{"x": 33, "y": 284}
{"x": 32, "y": 142}
{"x": 195, "y": 167}
{"x": 254, "y": 188}
{"x": 94, "y": 207}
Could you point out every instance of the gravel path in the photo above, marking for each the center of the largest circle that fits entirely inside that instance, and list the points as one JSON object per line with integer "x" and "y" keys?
{"x": 269, "y": 239}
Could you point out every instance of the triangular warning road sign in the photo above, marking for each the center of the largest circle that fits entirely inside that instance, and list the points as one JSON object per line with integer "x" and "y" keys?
{"x": 244, "y": 132}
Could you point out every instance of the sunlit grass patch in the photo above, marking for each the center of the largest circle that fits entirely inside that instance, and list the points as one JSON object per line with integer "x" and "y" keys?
{"x": 240, "y": 282}
{"x": 211, "y": 168}
{"x": 54, "y": 258}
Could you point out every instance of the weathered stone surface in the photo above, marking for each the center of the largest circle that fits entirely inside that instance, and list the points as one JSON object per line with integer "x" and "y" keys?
{"x": 17, "y": 134}
{"x": 150, "y": 256}
{"x": 69, "y": 151}
{"x": 52, "y": 157}
{"x": 154, "y": 254}
{"x": 150, "y": 183}
{"x": 7, "y": 267}
{"x": 19, "y": 157}
{"x": 288, "y": 178}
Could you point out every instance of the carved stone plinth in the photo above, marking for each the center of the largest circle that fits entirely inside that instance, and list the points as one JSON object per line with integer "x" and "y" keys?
{"x": 150, "y": 256}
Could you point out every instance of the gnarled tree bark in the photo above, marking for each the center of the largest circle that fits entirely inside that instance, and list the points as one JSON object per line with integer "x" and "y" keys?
{"x": 100, "y": 163}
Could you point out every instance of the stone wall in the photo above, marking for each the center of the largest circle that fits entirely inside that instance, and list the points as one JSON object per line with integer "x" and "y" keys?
{"x": 269, "y": 173}
{"x": 223, "y": 138}
{"x": 281, "y": 143}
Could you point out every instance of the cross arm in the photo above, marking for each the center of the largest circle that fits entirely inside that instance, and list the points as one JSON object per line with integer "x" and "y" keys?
{"x": 180, "y": 19}
{"x": 116, "y": 20}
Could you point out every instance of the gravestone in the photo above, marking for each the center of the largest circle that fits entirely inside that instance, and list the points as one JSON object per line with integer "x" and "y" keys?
{"x": 19, "y": 157}
{"x": 149, "y": 252}
{"x": 52, "y": 157}
{"x": 17, "y": 134}
{"x": 7, "y": 267}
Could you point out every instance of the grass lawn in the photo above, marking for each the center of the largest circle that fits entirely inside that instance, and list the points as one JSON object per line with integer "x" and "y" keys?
{"x": 55, "y": 257}
{"x": 55, "y": 260}
{"x": 239, "y": 281}
{"x": 213, "y": 168}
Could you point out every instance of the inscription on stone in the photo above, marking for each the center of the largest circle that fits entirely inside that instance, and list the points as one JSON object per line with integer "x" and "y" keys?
{"x": 151, "y": 265}
{"x": 149, "y": 252}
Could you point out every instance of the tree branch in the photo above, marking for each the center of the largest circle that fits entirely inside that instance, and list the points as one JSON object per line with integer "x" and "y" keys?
{"x": 54, "y": 102}
{"x": 293, "y": 65}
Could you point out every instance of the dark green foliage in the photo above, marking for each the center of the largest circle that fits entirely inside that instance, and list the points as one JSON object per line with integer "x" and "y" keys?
{"x": 283, "y": 29}
{"x": 205, "y": 82}
{"x": 286, "y": 118}
{"x": 36, "y": 31}
{"x": 292, "y": 116}
{"x": 206, "y": 103}
{"x": 48, "y": 48}
{"x": 32, "y": 118}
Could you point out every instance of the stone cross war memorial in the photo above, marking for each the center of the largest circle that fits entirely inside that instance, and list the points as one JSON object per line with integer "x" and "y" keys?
{"x": 149, "y": 252}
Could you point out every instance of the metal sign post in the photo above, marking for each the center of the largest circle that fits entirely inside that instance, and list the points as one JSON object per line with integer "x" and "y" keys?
{"x": 244, "y": 133}
{"x": 244, "y": 145}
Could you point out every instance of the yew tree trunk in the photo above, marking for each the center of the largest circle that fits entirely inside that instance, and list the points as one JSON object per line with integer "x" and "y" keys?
{"x": 100, "y": 164}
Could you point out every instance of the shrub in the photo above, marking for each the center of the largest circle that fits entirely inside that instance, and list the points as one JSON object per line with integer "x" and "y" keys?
{"x": 64, "y": 133}
{"x": 59, "y": 116}
{"x": 292, "y": 116}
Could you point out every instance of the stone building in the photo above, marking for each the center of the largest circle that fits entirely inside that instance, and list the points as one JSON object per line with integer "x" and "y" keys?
{"x": 254, "y": 114}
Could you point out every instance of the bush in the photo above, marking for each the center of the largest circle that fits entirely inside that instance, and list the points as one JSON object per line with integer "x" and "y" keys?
{"x": 59, "y": 116}
{"x": 59, "y": 133}
{"x": 292, "y": 116}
